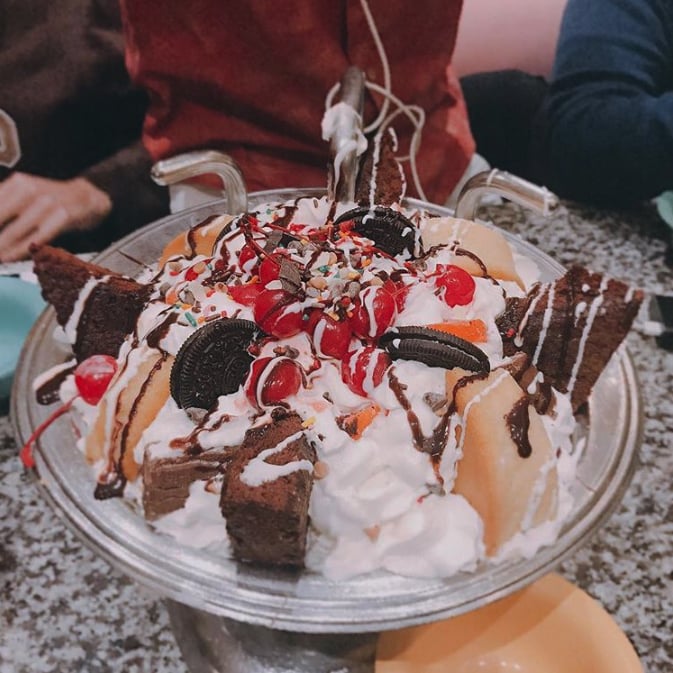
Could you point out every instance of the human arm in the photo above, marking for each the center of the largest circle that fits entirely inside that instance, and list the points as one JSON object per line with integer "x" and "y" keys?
{"x": 88, "y": 212}
{"x": 136, "y": 199}
{"x": 609, "y": 114}
{"x": 35, "y": 210}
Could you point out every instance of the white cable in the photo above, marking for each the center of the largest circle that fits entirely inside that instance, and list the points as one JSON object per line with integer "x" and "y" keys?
{"x": 414, "y": 113}
{"x": 418, "y": 123}
{"x": 387, "y": 82}
{"x": 330, "y": 95}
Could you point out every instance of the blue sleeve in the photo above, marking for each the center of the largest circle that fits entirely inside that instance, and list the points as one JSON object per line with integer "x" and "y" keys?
{"x": 609, "y": 114}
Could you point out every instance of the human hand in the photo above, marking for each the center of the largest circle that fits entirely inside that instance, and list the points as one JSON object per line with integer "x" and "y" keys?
{"x": 36, "y": 210}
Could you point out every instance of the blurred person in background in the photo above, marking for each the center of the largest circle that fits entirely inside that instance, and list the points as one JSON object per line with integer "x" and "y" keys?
{"x": 504, "y": 56}
{"x": 249, "y": 78}
{"x": 606, "y": 132}
{"x": 72, "y": 168}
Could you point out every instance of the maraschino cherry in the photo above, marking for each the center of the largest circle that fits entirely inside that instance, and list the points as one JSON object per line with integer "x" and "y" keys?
{"x": 92, "y": 378}
{"x": 269, "y": 268}
{"x": 278, "y": 313}
{"x": 457, "y": 285}
{"x": 374, "y": 313}
{"x": 247, "y": 258}
{"x": 245, "y": 294}
{"x": 399, "y": 291}
{"x": 272, "y": 380}
{"x": 331, "y": 337}
{"x": 363, "y": 369}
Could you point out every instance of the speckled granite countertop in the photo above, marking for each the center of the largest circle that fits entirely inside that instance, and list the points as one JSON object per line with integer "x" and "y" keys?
{"x": 64, "y": 609}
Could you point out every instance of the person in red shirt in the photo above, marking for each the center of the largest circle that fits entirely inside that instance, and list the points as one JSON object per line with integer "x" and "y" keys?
{"x": 249, "y": 78}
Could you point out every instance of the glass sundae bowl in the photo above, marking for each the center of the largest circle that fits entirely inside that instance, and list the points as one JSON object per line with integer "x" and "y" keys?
{"x": 231, "y": 616}
{"x": 235, "y": 617}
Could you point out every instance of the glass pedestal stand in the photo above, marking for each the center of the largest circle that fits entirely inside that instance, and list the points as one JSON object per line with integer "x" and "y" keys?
{"x": 213, "y": 644}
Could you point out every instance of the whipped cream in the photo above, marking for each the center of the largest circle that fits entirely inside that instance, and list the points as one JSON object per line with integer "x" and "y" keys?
{"x": 382, "y": 498}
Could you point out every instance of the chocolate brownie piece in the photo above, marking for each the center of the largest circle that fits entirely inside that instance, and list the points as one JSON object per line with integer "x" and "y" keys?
{"x": 111, "y": 309}
{"x": 166, "y": 481}
{"x": 381, "y": 179}
{"x": 266, "y": 492}
{"x": 570, "y": 327}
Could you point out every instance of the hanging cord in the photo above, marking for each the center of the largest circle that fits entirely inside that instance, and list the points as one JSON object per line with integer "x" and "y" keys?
{"x": 387, "y": 81}
{"x": 414, "y": 113}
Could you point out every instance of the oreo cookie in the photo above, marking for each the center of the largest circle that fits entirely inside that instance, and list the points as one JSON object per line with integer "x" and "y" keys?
{"x": 213, "y": 361}
{"x": 391, "y": 231}
{"x": 434, "y": 348}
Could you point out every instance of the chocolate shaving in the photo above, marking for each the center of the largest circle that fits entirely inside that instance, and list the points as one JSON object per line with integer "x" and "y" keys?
{"x": 436, "y": 402}
{"x": 290, "y": 277}
{"x": 348, "y": 423}
{"x": 113, "y": 487}
{"x": 273, "y": 241}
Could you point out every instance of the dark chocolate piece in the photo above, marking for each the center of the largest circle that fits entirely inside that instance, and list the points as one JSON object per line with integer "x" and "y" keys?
{"x": 111, "y": 310}
{"x": 112, "y": 485}
{"x": 166, "y": 481}
{"x": 268, "y": 523}
{"x": 381, "y": 179}
{"x": 213, "y": 361}
{"x": 570, "y": 328}
{"x": 434, "y": 348}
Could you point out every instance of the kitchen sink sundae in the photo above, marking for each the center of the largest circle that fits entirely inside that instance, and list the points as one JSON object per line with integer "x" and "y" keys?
{"x": 342, "y": 386}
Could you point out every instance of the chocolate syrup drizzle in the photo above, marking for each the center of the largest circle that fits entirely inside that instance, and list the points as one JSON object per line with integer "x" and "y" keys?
{"x": 517, "y": 419}
{"x": 48, "y": 392}
{"x": 112, "y": 481}
{"x": 192, "y": 241}
{"x": 462, "y": 252}
{"x": 155, "y": 336}
{"x": 433, "y": 445}
{"x": 112, "y": 487}
{"x": 518, "y": 424}
{"x": 190, "y": 444}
